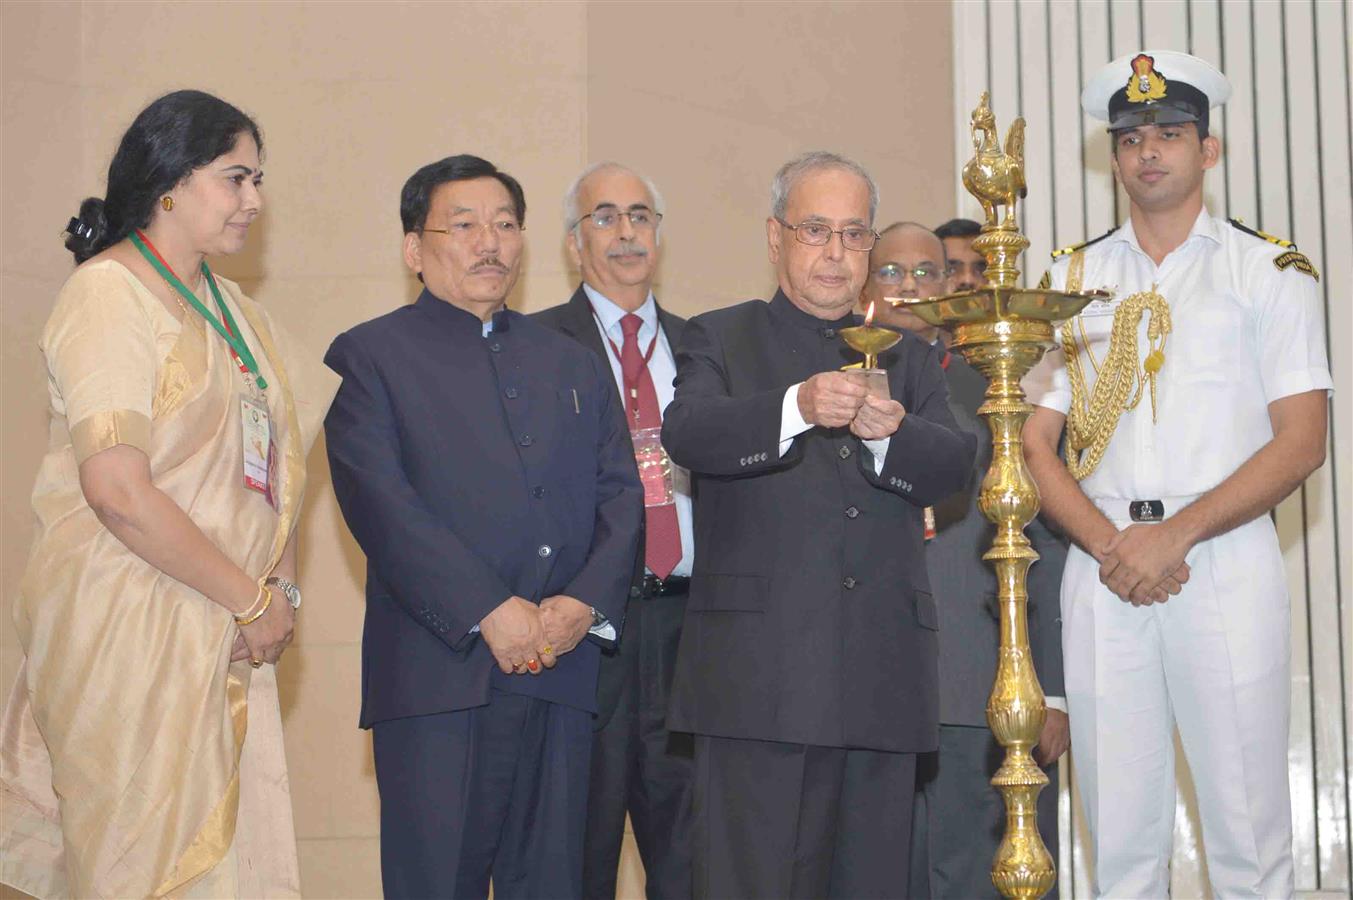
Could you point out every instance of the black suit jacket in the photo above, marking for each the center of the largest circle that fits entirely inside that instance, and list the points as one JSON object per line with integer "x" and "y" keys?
{"x": 470, "y": 469}
{"x": 575, "y": 319}
{"x": 965, "y": 584}
{"x": 810, "y": 618}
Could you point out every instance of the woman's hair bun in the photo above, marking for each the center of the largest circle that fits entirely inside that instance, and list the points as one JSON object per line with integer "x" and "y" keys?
{"x": 86, "y": 233}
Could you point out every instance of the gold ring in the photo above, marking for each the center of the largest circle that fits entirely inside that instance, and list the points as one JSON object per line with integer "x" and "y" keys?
{"x": 256, "y": 663}
{"x": 547, "y": 650}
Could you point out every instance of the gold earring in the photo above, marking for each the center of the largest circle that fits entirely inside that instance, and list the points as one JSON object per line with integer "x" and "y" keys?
{"x": 167, "y": 202}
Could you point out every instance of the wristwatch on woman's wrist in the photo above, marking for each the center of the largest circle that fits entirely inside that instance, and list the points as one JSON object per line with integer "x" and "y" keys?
{"x": 291, "y": 590}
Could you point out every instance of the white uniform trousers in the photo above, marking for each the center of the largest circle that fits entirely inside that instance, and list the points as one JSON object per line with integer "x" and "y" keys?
{"x": 1213, "y": 660}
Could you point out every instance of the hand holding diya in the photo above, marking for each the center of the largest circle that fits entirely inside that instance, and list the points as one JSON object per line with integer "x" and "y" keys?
{"x": 871, "y": 340}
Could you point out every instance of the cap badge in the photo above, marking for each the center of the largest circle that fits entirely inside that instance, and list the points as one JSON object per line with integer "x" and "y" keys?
{"x": 1146, "y": 83}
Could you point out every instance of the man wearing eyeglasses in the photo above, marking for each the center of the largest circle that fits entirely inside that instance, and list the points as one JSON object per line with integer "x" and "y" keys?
{"x": 612, "y": 216}
{"x": 807, "y": 666}
{"x": 959, "y": 816}
{"x": 481, "y": 462}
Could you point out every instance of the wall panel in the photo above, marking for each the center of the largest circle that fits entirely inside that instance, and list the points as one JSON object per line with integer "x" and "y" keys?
{"x": 1286, "y": 168}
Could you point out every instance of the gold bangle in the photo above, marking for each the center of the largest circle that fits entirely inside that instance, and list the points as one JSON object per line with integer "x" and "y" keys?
{"x": 253, "y": 607}
{"x": 266, "y": 593}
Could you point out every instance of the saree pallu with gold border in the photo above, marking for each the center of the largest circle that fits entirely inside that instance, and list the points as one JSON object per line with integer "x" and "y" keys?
{"x": 135, "y": 759}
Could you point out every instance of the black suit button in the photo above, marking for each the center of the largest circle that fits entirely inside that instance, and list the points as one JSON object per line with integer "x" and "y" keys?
{"x": 829, "y": 333}
{"x": 526, "y": 440}
{"x": 537, "y": 492}
{"x": 544, "y": 551}
{"x": 852, "y": 512}
{"x": 844, "y": 453}
{"x": 510, "y": 393}
{"x": 848, "y": 583}
{"x": 496, "y": 347}
{"x": 636, "y": 592}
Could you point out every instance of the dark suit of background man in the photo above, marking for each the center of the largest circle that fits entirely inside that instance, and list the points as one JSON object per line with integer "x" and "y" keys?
{"x": 960, "y": 817}
{"x": 807, "y": 665}
{"x": 612, "y": 215}
{"x": 482, "y": 463}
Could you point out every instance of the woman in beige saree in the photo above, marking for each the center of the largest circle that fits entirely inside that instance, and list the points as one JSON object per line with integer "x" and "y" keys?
{"x": 141, "y": 751}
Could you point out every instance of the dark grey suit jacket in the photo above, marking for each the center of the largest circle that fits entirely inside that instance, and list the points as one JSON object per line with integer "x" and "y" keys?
{"x": 575, "y": 320}
{"x": 965, "y": 585}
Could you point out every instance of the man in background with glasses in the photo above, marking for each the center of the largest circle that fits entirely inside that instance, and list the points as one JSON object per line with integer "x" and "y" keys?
{"x": 807, "y": 666}
{"x": 612, "y": 216}
{"x": 481, "y": 462}
{"x": 959, "y": 816}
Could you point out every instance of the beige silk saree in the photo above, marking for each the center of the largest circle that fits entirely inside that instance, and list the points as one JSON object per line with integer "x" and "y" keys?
{"x": 135, "y": 759}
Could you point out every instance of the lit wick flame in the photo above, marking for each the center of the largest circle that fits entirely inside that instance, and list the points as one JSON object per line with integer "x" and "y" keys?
{"x": 869, "y": 315}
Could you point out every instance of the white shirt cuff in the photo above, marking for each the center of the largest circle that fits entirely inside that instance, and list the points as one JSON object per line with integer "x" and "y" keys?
{"x": 605, "y": 631}
{"x": 1057, "y": 703}
{"x": 879, "y": 450}
{"x": 791, "y": 420}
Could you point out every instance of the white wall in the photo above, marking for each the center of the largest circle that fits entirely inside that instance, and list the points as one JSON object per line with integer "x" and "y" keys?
{"x": 1286, "y": 169}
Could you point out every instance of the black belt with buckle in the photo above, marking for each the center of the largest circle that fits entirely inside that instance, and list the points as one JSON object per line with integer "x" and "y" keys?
{"x": 1146, "y": 511}
{"x": 666, "y": 587}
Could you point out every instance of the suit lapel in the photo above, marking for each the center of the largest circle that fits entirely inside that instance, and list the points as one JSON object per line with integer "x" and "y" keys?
{"x": 580, "y": 324}
{"x": 672, "y": 327}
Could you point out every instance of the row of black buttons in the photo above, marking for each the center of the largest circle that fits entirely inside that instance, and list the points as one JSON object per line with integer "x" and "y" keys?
{"x": 544, "y": 550}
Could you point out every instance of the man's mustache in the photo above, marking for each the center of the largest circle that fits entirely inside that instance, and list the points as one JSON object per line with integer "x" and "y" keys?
{"x": 627, "y": 248}
{"x": 492, "y": 262}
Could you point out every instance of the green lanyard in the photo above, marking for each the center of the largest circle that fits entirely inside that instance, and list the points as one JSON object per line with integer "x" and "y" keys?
{"x": 228, "y": 330}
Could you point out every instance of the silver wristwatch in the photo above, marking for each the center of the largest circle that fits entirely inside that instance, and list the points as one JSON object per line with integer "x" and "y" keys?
{"x": 291, "y": 590}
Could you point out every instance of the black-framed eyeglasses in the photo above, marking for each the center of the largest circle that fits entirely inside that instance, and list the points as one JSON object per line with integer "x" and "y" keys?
{"x": 818, "y": 234}
{"x": 463, "y": 230}
{"x": 892, "y": 273}
{"x": 641, "y": 218}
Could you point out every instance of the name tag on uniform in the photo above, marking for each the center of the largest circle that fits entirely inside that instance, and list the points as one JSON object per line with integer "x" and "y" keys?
{"x": 655, "y": 468}
{"x": 259, "y": 456}
{"x": 1105, "y": 306}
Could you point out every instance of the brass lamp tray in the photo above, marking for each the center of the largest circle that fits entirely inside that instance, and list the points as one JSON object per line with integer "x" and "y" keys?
{"x": 997, "y": 304}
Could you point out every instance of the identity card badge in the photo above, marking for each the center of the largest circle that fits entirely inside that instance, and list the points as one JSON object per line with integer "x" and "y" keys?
{"x": 655, "y": 468}
{"x": 257, "y": 434}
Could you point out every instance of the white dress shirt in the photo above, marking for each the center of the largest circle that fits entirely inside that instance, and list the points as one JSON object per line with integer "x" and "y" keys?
{"x": 1245, "y": 333}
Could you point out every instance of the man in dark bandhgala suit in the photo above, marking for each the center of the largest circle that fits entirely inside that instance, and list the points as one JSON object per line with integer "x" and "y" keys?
{"x": 483, "y": 465}
{"x": 807, "y": 667}
{"x": 614, "y": 216}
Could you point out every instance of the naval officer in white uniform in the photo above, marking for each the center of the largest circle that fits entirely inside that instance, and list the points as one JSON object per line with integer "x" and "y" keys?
{"x": 1193, "y": 401}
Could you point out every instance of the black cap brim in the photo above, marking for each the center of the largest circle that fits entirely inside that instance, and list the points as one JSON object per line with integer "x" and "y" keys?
{"x": 1155, "y": 114}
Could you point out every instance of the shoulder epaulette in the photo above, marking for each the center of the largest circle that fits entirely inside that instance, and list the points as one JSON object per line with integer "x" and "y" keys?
{"x": 1289, "y": 258}
{"x": 1056, "y": 254}
{"x": 1241, "y": 226}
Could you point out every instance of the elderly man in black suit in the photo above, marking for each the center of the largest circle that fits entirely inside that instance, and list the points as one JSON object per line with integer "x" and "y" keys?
{"x": 481, "y": 462}
{"x": 613, "y": 216}
{"x": 959, "y": 816}
{"x": 807, "y": 668}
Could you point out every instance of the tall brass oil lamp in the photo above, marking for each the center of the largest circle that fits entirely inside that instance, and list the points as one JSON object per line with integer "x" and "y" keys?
{"x": 1003, "y": 330}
